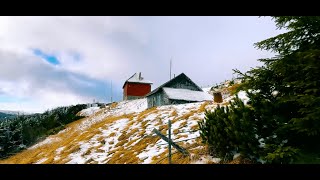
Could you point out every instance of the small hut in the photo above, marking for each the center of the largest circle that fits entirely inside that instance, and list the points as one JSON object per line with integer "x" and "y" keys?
{"x": 181, "y": 89}
{"x": 136, "y": 87}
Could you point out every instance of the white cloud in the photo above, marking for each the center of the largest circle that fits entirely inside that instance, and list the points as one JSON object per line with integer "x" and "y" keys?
{"x": 63, "y": 36}
{"x": 101, "y": 49}
{"x": 23, "y": 75}
{"x": 43, "y": 101}
{"x": 38, "y": 82}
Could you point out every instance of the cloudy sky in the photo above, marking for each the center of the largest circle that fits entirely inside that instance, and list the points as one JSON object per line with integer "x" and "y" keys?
{"x": 47, "y": 62}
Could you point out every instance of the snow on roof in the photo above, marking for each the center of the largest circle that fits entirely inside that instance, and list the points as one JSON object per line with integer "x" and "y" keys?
{"x": 182, "y": 75}
{"x": 207, "y": 89}
{"x": 187, "y": 95}
{"x": 137, "y": 78}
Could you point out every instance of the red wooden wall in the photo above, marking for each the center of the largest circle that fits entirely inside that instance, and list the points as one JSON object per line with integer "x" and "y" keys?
{"x": 136, "y": 89}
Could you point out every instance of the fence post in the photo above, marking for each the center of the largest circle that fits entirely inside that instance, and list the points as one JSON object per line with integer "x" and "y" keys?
{"x": 169, "y": 142}
{"x": 180, "y": 149}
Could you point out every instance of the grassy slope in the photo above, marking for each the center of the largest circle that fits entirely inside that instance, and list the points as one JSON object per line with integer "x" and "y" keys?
{"x": 94, "y": 140}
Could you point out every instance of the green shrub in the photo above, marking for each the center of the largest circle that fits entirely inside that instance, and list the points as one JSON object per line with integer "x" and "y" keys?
{"x": 231, "y": 129}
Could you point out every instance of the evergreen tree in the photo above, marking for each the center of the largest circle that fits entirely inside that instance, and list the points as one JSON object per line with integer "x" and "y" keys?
{"x": 283, "y": 113}
{"x": 288, "y": 95}
{"x": 22, "y": 131}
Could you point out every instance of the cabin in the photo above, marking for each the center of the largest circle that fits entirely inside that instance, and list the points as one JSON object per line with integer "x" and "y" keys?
{"x": 178, "y": 90}
{"x": 136, "y": 87}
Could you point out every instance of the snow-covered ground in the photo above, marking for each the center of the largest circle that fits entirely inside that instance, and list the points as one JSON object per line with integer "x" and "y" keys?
{"x": 122, "y": 133}
{"x": 89, "y": 111}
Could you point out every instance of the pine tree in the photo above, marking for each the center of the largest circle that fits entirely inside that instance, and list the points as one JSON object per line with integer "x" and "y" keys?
{"x": 282, "y": 118}
{"x": 287, "y": 101}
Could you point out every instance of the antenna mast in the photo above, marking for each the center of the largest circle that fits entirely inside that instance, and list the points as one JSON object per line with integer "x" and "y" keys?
{"x": 111, "y": 91}
{"x": 170, "y": 66}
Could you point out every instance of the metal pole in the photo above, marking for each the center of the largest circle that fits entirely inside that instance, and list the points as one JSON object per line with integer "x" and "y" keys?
{"x": 111, "y": 92}
{"x": 170, "y": 67}
{"x": 169, "y": 142}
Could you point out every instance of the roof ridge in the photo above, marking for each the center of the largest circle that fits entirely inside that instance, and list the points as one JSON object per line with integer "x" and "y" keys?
{"x": 181, "y": 74}
{"x": 137, "y": 78}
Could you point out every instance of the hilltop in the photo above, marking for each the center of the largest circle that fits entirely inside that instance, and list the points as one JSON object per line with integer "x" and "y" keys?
{"x": 121, "y": 133}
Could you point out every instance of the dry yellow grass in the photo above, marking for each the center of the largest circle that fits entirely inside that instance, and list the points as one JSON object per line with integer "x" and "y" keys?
{"x": 100, "y": 138}
{"x": 194, "y": 127}
{"x": 112, "y": 134}
{"x": 176, "y": 158}
{"x": 175, "y": 120}
{"x": 182, "y": 136}
{"x": 113, "y": 105}
{"x": 131, "y": 142}
{"x": 187, "y": 115}
{"x": 179, "y": 158}
{"x": 91, "y": 161}
{"x": 99, "y": 150}
{"x": 202, "y": 108}
{"x": 132, "y": 132}
{"x": 159, "y": 122}
{"x": 240, "y": 160}
{"x": 69, "y": 140}
{"x": 122, "y": 136}
{"x": 174, "y": 113}
{"x": 131, "y": 122}
{"x": 121, "y": 143}
{"x": 145, "y": 113}
{"x": 160, "y": 158}
{"x": 183, "y": 124}
{"x": 144, "y": 124}
{"x": 89, "y": 151}
{"x": 232, "y": 89}
{"x": 225, "y": 103}
{"x": 126, "y": 155}
{"x": 199, "y": 152}
{"x": 123, "y": 151}
{"x": 197, "y": 118}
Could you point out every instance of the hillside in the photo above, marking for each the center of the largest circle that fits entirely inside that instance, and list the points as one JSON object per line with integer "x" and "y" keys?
{"x": 122, "y": 134}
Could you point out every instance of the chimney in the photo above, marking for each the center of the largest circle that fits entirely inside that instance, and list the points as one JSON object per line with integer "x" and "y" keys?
{"x": 140, "y": 78}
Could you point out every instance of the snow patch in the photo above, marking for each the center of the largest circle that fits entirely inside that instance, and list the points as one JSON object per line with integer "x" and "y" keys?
{"x": 40, "y": 161}
{"x": 89, "y": 111}
{"x": 243, "y": 96}
{"x": 206, "y": 159}
{"x": 59, "y": 150}
{"x": 150, "y": 152}
{"x": 236, "y": 155}
{"x": 46, "y": 141}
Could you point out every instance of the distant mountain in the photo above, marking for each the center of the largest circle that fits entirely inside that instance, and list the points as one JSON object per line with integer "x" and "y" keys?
{"x": 9, "y": 114}
{"x": 5, "y": 115}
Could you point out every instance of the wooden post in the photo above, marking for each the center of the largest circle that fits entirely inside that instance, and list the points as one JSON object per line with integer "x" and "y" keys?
{"x": 169, "y": 142}
{"x": 217, "y": 97}
{"x": 182, "y": 150}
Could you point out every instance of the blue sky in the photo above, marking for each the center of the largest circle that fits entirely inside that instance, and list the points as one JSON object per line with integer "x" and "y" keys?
{"x": 54, "y": 61}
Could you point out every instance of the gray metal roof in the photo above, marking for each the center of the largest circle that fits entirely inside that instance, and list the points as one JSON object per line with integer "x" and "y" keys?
{"x": 164, "y": 85}
{"x": 187, "y": 94}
